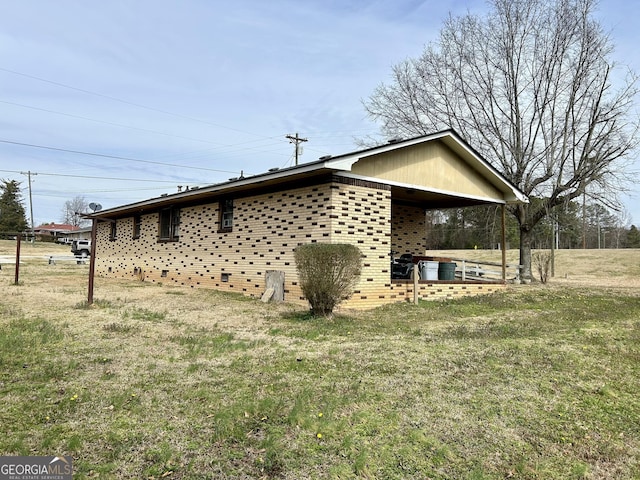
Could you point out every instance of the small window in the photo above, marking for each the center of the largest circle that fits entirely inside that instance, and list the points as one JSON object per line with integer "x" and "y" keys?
{"x": 112, "y": 232}
{"x": 169, "y": 228}
{"x": 226, "y": 215}
{"x": 137, "y": 224}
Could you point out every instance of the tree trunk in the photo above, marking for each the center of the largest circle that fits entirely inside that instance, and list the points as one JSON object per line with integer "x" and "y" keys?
{"x": 525, "y": 254}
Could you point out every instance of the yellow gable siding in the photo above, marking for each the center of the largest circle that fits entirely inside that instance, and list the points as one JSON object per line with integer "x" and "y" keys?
{"x": 431, "y": 165}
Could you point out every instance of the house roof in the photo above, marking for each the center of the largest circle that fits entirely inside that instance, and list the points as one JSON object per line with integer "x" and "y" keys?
{"x": 342, "y": 165}
{"x": 57, "y": 227}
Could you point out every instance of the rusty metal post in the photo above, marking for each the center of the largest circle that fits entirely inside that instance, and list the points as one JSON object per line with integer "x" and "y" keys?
{"x": 18, "y": 240}
{"x": 92, "y": 260}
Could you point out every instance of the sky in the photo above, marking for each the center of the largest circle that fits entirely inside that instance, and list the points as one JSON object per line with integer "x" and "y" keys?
{"x": 125, "y": 100}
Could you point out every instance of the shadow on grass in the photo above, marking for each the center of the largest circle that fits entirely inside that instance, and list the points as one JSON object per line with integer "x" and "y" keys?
{"x": 307, "y": 316}
{"x": 304, "y": 324}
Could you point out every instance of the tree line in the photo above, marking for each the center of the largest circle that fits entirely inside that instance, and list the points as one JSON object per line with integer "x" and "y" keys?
{"x": 573, "y": 226}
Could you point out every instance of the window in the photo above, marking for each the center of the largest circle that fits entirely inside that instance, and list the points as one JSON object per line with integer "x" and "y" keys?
{"x": 169, "y": 228}
{"x": 226, "y": 215}
{"x": 112, "y": 232}
{"x": 137, "y": 223}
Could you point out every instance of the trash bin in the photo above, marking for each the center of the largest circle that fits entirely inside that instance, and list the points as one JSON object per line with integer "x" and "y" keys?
{"x": 428, "y": 270}
{"x": 447, "y": 271}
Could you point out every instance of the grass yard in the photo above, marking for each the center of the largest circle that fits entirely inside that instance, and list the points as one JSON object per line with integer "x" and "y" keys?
{"x": 155, "y": 381}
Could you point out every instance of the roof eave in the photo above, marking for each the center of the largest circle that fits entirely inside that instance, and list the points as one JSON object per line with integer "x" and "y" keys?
{"x": 219, "y": 188}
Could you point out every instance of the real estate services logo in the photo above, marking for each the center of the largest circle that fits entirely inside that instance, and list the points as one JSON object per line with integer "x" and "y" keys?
{"x": 36, "y": 468}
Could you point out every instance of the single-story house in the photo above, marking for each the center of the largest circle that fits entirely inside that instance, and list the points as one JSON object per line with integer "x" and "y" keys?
{"x": 79, "y": 234}
{"x": 230, "y": 235}
{"x": 56, "y": 231}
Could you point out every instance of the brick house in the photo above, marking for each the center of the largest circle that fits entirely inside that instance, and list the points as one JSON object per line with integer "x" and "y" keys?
{"x": 227, "y": 236}
{"x": 54, "y": 231}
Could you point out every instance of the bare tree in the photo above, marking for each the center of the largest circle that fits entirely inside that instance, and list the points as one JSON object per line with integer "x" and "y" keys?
{"x": 72, "y": 210}
{"x": 530, "y": 85}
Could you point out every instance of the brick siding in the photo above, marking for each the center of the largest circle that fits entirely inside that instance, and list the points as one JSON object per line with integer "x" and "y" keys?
{"x": 267, "y": 228}
{"x": 409, "y": 229}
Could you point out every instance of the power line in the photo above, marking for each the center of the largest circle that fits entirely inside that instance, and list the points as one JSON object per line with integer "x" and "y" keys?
{"x": 71, "y": 115}
{"x": 221, "y": 145}
{"x": 229, "y": 153}
{"x": 89, "y": 92}
{"x": 63, "y": 195}
{"x": 116, "y": 157}
{"x": 95, "y": 177}
{"x": 126, "y": 102}
{"x": 165, "y": 112}
{"x": 108, "y": 178}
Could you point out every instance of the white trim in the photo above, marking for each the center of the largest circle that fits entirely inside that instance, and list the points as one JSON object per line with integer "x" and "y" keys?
{"x": 420, "y": 188}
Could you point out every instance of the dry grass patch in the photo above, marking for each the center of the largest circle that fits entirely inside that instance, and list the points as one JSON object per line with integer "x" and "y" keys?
{"x": 161, "y": 382}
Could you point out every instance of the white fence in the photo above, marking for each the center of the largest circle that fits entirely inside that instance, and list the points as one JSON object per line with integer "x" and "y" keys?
{"x": 480, "y": 270}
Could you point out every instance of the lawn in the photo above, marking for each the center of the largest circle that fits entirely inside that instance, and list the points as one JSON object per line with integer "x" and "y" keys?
{"x": 155, "y": 381}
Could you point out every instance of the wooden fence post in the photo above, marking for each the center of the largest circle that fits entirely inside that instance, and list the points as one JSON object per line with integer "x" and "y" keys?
{"x": 416, "y": 295}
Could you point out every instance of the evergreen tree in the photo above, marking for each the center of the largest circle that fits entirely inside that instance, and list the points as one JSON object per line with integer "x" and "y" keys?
{"x": 633, "y": 237}
{"x": 12, "y": 215}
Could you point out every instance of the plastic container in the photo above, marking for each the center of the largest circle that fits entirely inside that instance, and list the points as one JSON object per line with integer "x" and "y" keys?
{"x": 429, "y": 270}
{"x": 447, "y": 271}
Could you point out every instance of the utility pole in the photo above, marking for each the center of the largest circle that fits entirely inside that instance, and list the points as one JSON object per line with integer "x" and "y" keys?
{"x": 297, "y": 140}
{"x": 33, "y": 233}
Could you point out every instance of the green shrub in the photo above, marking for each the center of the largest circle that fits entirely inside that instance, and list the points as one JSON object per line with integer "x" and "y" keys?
{"x": 328, "y": 272}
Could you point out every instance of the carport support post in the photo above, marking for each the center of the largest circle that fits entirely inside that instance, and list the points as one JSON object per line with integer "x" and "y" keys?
{"x": 92, "y": 260}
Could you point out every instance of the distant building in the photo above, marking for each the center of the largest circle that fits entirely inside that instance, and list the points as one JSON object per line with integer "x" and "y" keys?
{"x": 54, "y": 232}
{"x": 79, "y": 234}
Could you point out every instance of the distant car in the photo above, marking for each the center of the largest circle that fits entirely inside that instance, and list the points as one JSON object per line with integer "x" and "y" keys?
{"x": 64, "y": 240}
{"x": 81, "y": 247}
